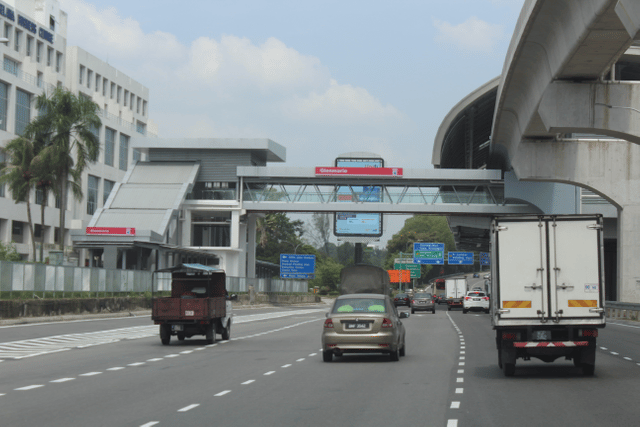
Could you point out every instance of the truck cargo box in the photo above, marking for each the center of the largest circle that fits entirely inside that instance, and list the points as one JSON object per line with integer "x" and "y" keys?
{"x": 364, "y": 279}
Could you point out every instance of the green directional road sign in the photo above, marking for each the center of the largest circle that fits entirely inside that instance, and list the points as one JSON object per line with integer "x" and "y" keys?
{"x": 407, "y": 264}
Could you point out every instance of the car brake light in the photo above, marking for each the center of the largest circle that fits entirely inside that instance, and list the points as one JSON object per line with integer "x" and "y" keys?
{"x": 485, "y": 298}
{"x": 387, "y": 323}
{"x": 467, "y": 298}
{"x": 413, "y": 301}
{"x": 328, "y": 323}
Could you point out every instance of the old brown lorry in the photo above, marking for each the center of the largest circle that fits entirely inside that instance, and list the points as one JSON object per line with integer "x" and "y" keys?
{"x": 198, "y": 305}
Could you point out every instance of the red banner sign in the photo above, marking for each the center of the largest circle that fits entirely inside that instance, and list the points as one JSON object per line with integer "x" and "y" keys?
{"x": 396, "y": 276}
{"x": 344, "y": 171}
{"x": 123, "y": 231}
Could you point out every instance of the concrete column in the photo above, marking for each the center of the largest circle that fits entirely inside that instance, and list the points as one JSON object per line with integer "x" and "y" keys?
{"x": 628, "y": 249}
{"x": 251, "y": 245}
{"x": 185, "y": 228}
{"x": 235, "y": 229}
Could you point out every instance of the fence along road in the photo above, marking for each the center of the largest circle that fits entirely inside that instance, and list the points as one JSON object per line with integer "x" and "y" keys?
{"x": 53, "y": 344}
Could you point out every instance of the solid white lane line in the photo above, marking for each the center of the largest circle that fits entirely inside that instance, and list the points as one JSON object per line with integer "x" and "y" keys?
{"x": 62, "y": 380}
{"x": 90, "y": 374}
{"x": 248, "y": 382}
{"x": 222, "y": 393}
{"x": 455, "y": 405}
{"x": 269, "y": 373}
{"x": 452, "y": 423}
{"x": 149, "y": 424}
{"x": 188, "y": 408}
{"x": 136, "y": 364}
{"x": 29, "y": 387}
{"x": 116, "y": 368}
{"x": 300, "y": 360}
{"x": 459, "y": 390}
{"x": 286, "y": 366}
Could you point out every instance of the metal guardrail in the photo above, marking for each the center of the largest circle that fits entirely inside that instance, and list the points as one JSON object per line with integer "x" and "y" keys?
{"x": 622, "y": 310}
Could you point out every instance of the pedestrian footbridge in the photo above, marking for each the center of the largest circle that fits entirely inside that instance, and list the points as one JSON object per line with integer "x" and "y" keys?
{"x": 416, "y": 191}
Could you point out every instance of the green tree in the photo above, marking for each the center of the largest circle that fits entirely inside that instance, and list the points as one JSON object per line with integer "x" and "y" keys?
{"x": 327, "y": 274}
{"x": 277, "y": 234}
{"x": 319, "y": 232}
{"x": 8, "y": 252}
{"x": 66, "y": 126}
{"x": 18, "y": 174}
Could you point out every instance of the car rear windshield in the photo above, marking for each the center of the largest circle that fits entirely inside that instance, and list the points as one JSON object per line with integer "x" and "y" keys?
{"x": 475, "y": 294}
{"x": 360, "y": 305}
{"x": 422, "y": 296}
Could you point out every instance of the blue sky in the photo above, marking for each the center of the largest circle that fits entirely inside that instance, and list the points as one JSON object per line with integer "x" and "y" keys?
{"x": 320, "y": 78}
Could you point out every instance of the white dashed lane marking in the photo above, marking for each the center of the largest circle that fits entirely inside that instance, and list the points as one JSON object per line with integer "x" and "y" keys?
{"x": 222, "y": 393}
{"x": 455, "y": 405}
{"x": 188, "y": 408}
{"x": 248, "y": 382}
{"x": 62, "y": 380}
{"x": 29, "y": 387}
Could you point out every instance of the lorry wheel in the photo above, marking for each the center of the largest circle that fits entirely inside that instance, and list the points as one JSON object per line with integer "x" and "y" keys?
{"x": 588, "y": 369}
{"x": 449, "y": 308}
{"x": 211, "y": 334}
{"x": 327, "y": 356}
{"x": 500, "y": 358}
{"x": 165, "y": 334}
{"x": 180, "y": 336}
{"x": 226, "y": 332}
{"x": 413, "y": 312}
{"x": 509, "y": 369}
{"x": 464, "y": 311}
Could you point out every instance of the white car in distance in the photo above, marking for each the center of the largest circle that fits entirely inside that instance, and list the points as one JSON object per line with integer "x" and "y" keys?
{"x": 475, "y": 301}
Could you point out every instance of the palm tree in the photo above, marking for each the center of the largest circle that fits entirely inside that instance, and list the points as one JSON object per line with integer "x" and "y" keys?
{"x": 65, "y": 126}
{"x": 19, "y": 175}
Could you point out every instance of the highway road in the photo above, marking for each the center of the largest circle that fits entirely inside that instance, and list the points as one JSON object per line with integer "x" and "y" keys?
{"x": 115, "y": 372}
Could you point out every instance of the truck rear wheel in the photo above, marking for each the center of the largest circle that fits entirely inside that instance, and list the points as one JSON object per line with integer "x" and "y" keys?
{"x": 211, "y": 334}
{"x": 588, "y": 369}
{"x": 226, "y": 332}
{"x": 165, "y": 334}
{"x": 181, "y": 336}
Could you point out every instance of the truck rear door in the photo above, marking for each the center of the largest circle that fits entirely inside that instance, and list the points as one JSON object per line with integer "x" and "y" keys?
{"x": 521, "y": 249}
{"x": 575, "y": 286}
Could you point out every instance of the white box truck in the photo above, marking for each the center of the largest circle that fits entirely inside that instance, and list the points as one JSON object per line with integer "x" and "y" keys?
{"x": 455, "y": 289}
{"x": 547, "y": 288}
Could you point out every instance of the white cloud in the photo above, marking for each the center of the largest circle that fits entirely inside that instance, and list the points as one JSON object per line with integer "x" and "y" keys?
{"x": 473, "y": 35}
{"x": 341, "y": 104}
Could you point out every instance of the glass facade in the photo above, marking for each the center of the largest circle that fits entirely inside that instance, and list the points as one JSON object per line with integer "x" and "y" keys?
{"x": 92, "y": 194}
{"x": 4, "y": 89}
{"x": 109, "y": 146}
{"x": 108, "y": 186}
{"x": 23, "y": 111}
{"x": 124, "y": 151}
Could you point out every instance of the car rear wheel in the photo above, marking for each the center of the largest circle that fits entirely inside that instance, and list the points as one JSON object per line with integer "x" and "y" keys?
{"x": 413, "y": 311}
{"x": 394, "y": 356}
{"x": 403, "y": 350}
{"x": 327, "y": 356}
{"x": 433, "y": 310}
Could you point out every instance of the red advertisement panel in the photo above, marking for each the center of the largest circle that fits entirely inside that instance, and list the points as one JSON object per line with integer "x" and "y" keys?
{"x": 124, "y": 231}
{"x": 349, "y": 171}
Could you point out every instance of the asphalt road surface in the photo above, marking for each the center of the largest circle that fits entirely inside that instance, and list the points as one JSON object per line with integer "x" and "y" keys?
{"x": 115, "y": 372}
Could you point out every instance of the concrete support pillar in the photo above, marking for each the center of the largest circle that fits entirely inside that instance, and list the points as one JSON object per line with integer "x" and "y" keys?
{"x": 628, "y": 249}
{"x": 235, "y": 229}
{"x": 110, "y": 257}
{"x": 251, "y": 245}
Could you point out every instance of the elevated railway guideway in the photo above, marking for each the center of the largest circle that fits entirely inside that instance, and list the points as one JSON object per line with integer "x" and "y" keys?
{"x": 414, "y": 191}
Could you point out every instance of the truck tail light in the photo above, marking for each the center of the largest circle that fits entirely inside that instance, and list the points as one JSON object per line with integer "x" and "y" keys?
{"x": 510, "y": 336}
{"x": 588, "y": 333}
{"x": 387, "y": 323}
{"x": 328, "y": 323}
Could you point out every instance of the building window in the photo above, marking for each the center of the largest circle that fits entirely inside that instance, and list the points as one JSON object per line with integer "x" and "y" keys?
{"x": 92, "y": 194}
{"x": 124, "y": 151}
{"x": 105, "y": 83}
{"x": 138, "y": 106}
{"x": 89, "y": 78}
{"x": 4, "y": 90}
{"x": 133, "y": 98}
{"x": 144, "y": 107}
{"x": 212, "y": 235}
{"x": 7, "y": 31}
{"x": 11, "y": 66}
{"x": 59, "y": 64}
{"x": 136, "y": 156}
{"x": 3, "y": 159}
{"x": 29, "y": 45}
{"x": 109, "y": 142}
{"x": 17, "y": 230}
{"x": 40, "y": 200}
{"x": 39, "y": 79}
{"x": 37, "y": 231}
{"x": 23, "y": 111}
{"x": 126, "y": 97}
{"x": 18, "y": 39}
{"x": 38, "y": 52}
{"x": 52, "y": 23}
{"x": 49, "y": 56}
{"x": 113, "y": 90}
{"x": 119, "y": 93}
{"x": 108, "y": 186}
{"x": 141, "y": 127}
{"x": 81, "y": 74}
{"x": 97, "y": 82}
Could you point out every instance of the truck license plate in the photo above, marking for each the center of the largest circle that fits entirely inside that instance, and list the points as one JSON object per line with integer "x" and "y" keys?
{"x": 177, "y": 327}
{"x": 189, "y": 313}
{"x": 542, "y": 335}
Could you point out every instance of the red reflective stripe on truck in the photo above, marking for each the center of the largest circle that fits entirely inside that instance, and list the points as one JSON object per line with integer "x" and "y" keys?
{"x": 529, "y": 344}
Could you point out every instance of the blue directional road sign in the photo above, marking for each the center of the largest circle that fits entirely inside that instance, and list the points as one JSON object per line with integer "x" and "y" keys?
{"x": 428, "y": 253}
{"x": 484, "y": 258}
{"x": 294, "y": 266}
{"x": 460, "y": 258}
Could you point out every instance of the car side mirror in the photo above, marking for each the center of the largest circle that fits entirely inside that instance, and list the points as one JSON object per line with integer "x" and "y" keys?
{"x": 404, "y": 314}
